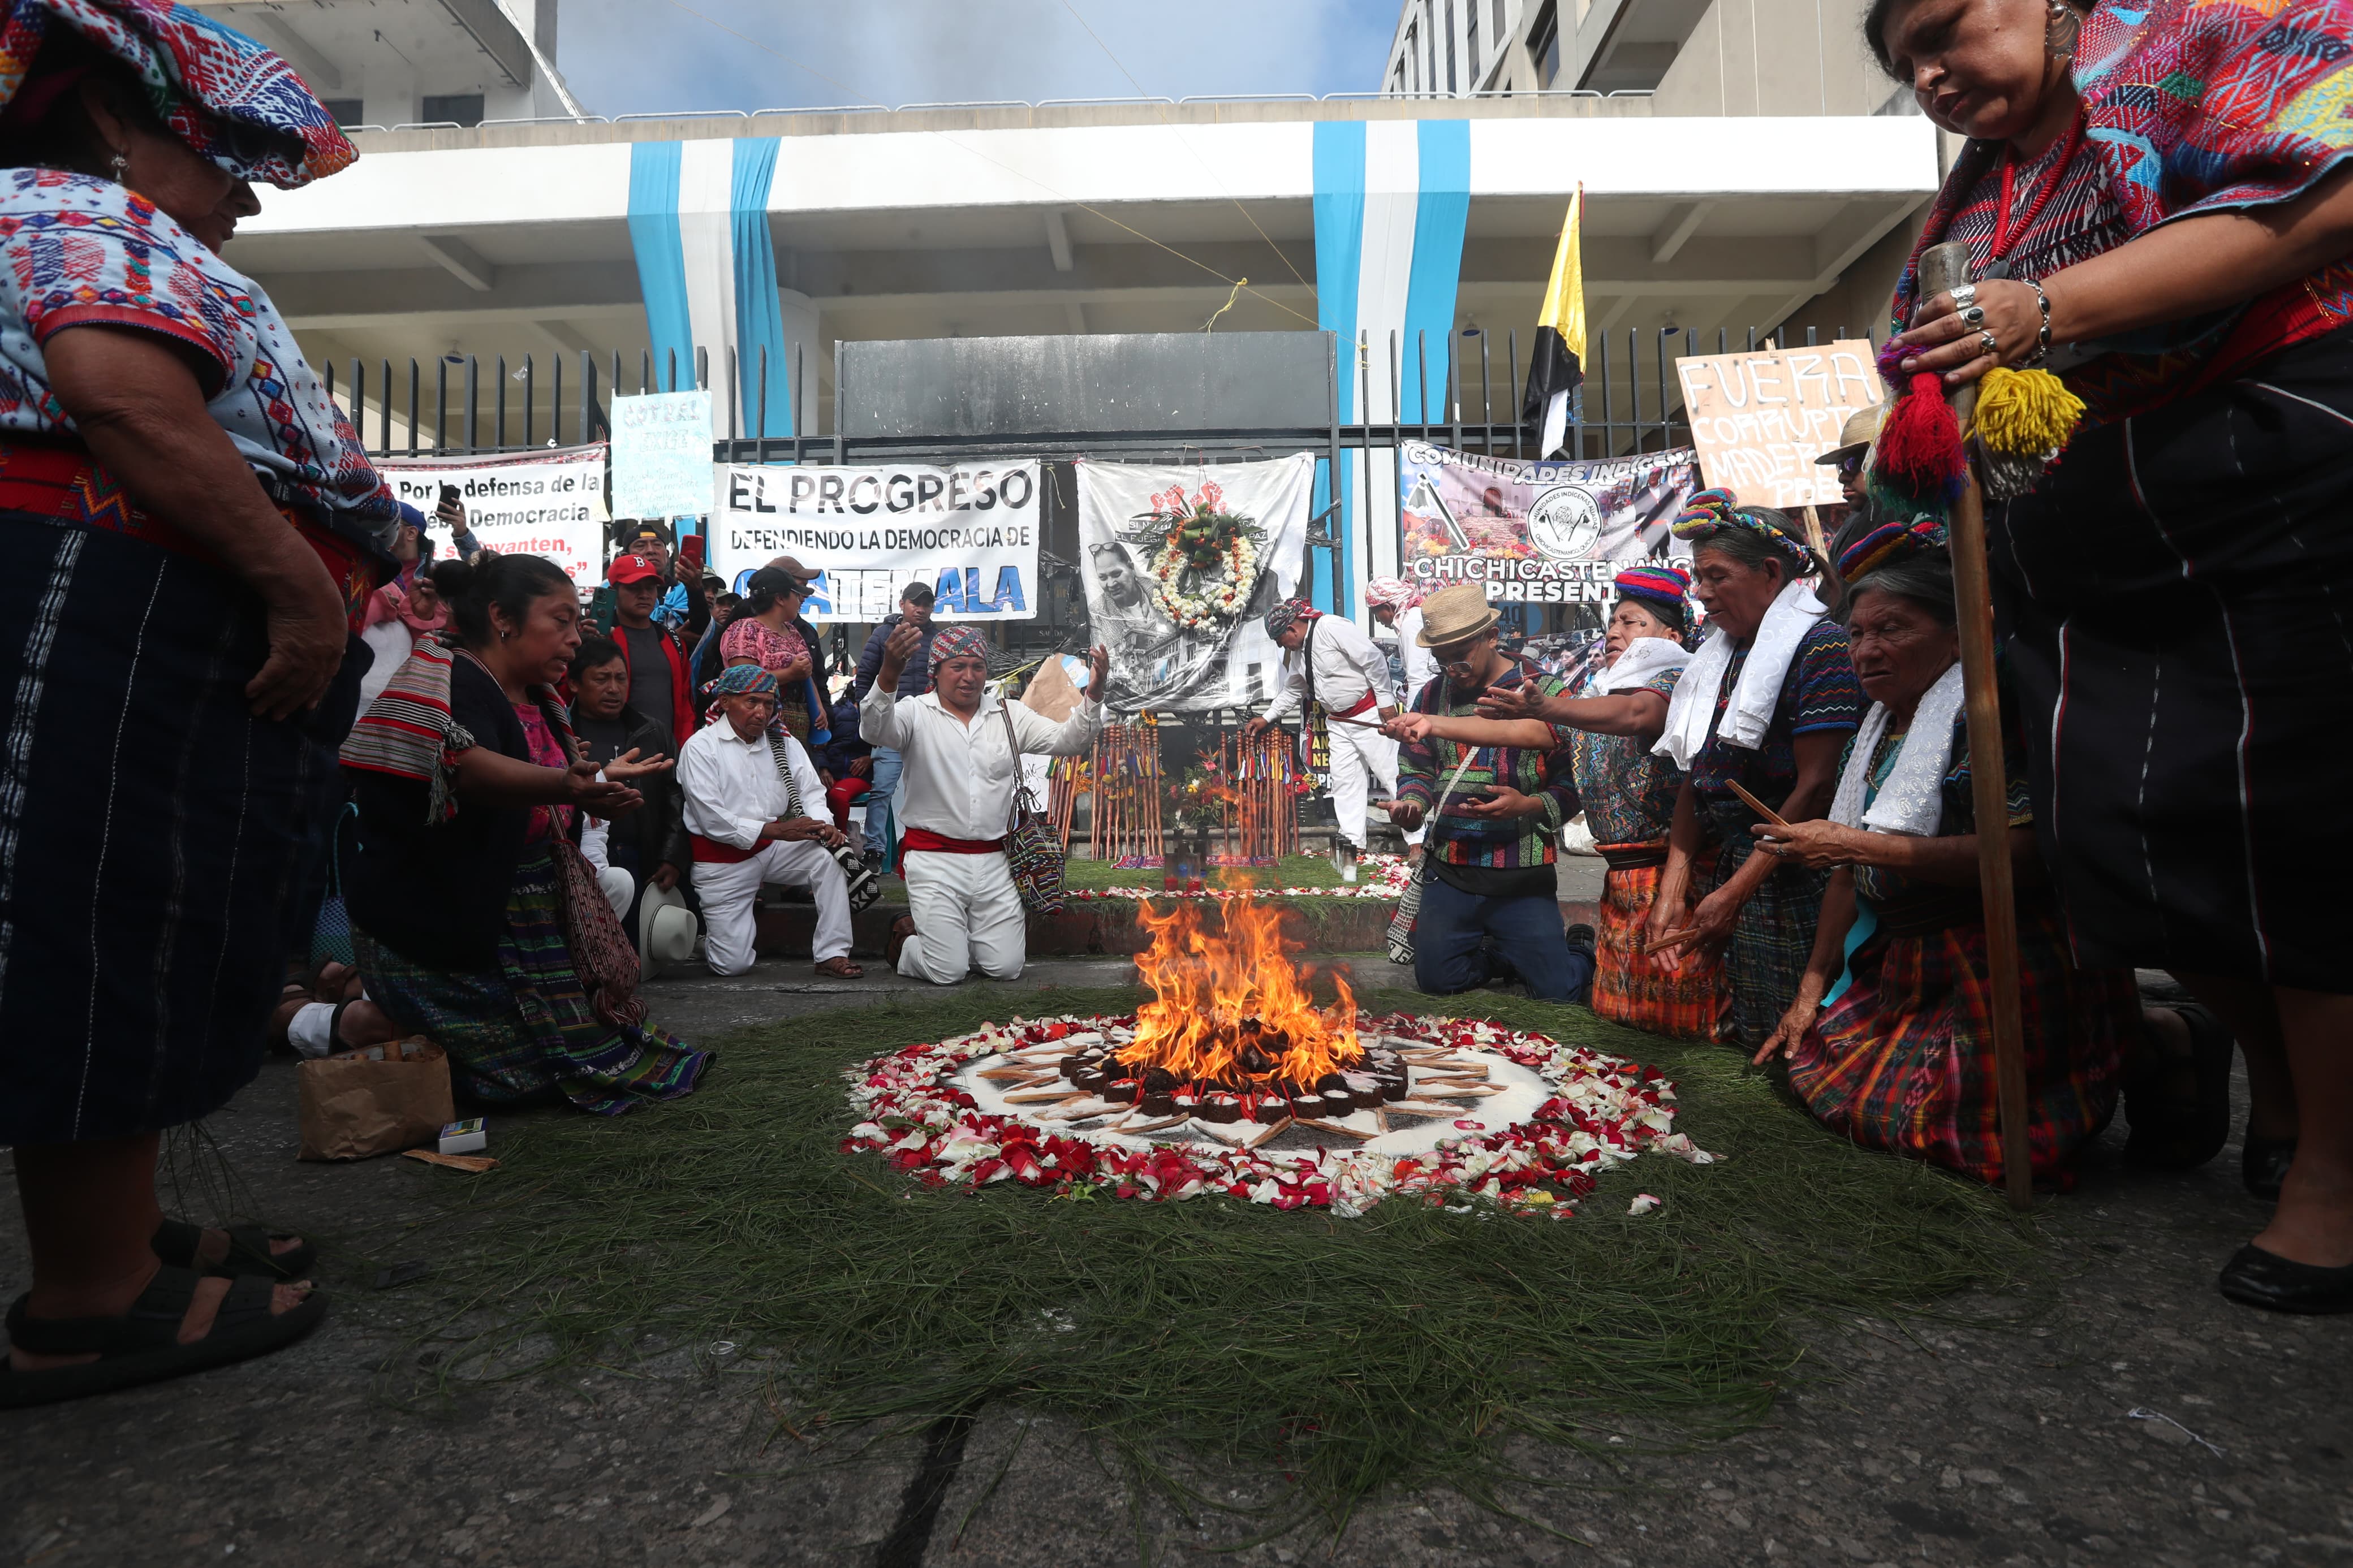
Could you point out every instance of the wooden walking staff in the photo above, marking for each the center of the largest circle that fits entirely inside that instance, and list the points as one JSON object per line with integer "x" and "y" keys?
{"x": 1944, "y": 268}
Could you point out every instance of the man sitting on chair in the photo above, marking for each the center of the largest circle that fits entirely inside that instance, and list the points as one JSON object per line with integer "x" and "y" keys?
{"x": 960, "y": 745}
{"x": 746, "y": 830}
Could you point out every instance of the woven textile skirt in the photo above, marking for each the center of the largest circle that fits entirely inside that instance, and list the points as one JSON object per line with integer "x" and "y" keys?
{"x": 523, "y": 1032}
{"x": 150, "y": 832}
{"x": 1904, "y": 1061}
{"x": 1689, "y": 1001}
{"x": 2179, "y": 594}
{"x": 1774, "y": 936}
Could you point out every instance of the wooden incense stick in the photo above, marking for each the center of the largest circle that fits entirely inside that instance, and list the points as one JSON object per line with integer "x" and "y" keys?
{"x": 1759, "y": 807}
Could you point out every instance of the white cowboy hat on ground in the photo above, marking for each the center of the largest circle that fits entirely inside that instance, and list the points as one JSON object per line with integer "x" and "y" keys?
{"x": 666, "y": 929}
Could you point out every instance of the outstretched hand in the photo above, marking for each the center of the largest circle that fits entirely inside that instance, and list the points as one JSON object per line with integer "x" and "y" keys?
{"x": 599, "y": 797}
{"x": 628, "y": 767}
{"x": 899, "y": 646}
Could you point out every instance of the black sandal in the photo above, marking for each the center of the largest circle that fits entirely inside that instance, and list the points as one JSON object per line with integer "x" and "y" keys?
{"x": 176, "y": 1242}
{"x": 144, "y": 1344}
{"x": 2170, "y": 1132}
{"x": 2263, "y": 1162}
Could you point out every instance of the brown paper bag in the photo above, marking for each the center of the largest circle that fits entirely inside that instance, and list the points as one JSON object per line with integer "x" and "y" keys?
{"x": 378, "y": 1099}
{"x": 1052, "y": 693}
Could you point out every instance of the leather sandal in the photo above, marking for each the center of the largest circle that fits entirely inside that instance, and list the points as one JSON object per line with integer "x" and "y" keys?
{"x": 176, "y": 1242}
{"x": 840, "y": 969}
{"x": 2172, "y": 1132}
{"x": 901, "y": 929}
{"x": 2263, "y": 1162}
{"x": 144, "y": 1344}
{"x": 2262, "y": 1279}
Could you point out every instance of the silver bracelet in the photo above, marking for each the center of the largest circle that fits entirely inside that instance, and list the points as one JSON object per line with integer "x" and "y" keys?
{"x": 2042, "y": 333}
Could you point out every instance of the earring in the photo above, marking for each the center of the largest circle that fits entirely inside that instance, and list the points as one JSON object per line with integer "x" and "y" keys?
{"x": 122, "y": 168}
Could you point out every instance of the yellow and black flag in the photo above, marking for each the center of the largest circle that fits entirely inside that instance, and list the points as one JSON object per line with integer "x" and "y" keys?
{"x": 1557, "y": 363}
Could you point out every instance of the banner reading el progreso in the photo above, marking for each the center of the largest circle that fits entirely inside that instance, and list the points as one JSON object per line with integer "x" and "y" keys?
{"x": 968, "y": 531}
{"x": 1536, "y": 532}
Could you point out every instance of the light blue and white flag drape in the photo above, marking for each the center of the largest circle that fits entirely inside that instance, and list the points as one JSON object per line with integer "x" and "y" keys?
{"x": 1392, "y": 198}
{"x": 707, "y": 268}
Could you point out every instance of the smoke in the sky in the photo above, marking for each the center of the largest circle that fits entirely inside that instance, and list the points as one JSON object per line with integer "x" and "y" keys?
{"x": 630, "y": 56}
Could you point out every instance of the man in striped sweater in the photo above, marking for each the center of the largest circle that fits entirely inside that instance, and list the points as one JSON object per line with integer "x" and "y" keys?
{"x": 1490, "y": 909}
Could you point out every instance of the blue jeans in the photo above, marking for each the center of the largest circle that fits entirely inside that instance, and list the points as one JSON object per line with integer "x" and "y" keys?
{"x": 1451, "y": 954}
{"x": 881, "y": 784}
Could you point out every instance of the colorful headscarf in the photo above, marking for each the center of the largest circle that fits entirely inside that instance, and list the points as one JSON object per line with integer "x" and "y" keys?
{"x": 1289, "y": 614}
{"x": 1388, "y": 590}
{"x": 957, "y": 642}
{"x": 1888, "y": 543}
{"x": 231, "y": 100}
{"x": 1711, "y": 510}
{"x": 1660, "y": 586}
{"x": 744, "y": 681}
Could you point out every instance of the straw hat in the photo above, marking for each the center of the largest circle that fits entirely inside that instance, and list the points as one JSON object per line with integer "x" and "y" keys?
{"x": 1456, "y": 615}
{"x": 666, "y": 929}
{"x": 1861, "y": 430}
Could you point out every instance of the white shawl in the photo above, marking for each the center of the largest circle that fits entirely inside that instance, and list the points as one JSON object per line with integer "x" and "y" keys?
{"x": 1912, "y": 801}
{"x": 1639, "y": 665}
{"x": 1692, "y": 714}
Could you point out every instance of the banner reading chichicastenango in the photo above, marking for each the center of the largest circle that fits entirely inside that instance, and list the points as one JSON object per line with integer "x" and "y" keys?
{"x": 1181, "y": 565}
{"x": 1536, "y": 533}
{"x": 969, "y": 532}
{"x": 548, "y": 503}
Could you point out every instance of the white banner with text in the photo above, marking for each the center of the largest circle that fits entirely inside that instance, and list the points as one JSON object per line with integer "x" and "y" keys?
{"x": 548, "y": 503}
{"x": 968, "y": 531}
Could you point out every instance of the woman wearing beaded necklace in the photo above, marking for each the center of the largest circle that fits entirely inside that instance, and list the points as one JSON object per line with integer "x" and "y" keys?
{"x": 2156, "y": 207}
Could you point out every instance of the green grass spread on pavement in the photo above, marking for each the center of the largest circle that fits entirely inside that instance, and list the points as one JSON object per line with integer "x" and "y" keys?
{"x": 1343, "y": 1356}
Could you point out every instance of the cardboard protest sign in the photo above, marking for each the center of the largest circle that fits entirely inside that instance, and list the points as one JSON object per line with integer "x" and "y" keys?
{"x": 1760, "y": 419}
{"x": 661, "y": 453}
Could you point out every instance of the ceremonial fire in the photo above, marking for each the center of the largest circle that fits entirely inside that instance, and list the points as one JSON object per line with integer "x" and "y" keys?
{"x": 1231, "y": 1033}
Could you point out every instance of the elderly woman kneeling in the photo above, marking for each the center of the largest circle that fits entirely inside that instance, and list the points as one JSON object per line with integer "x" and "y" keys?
{"x": 1899, "y": 1054}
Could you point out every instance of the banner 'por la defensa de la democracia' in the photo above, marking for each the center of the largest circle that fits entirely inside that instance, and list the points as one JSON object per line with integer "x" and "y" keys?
{"x": 967, "y": 531}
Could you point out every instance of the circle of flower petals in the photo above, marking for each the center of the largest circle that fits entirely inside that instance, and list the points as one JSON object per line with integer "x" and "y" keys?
{"x": 1603, "y": 1111}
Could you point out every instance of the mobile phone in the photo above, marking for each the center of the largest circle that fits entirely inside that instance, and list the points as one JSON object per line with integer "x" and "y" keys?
{"x": 689, "y": 549}
{"x": 600, "y": 608}
{"x": 448, "y": 495}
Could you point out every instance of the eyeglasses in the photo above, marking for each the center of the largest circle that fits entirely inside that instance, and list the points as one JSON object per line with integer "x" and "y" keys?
{"x": 1852, "y": 465}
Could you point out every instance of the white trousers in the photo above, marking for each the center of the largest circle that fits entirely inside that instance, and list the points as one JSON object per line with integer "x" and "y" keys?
{"x": 728, "y": 893}
{"x": 1359, "y": 756}
{"x": 968, "y": 913}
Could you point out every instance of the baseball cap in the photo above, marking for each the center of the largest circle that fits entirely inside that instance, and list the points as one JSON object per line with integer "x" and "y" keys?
{"x": 631, "y": 569}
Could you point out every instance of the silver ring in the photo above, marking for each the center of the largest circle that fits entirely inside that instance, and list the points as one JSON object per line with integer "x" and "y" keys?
{"x": 1973, "y": 315}
{"x": 1966, "y": 295}
{"x": 1992, "y": 344}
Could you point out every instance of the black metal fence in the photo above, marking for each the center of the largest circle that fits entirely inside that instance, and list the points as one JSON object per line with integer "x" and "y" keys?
{"x": 460, "y": 404}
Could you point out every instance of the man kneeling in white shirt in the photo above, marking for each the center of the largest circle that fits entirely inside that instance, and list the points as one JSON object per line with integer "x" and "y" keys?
{"x": 960, "y": 746}
{"x": 745, "y": 831}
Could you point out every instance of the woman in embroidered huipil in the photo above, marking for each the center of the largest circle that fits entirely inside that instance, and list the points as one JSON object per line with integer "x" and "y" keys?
{"x": 191, "y": 531}
{"x": 1899, "y": 1054}
{"x": 2156, "y": 206}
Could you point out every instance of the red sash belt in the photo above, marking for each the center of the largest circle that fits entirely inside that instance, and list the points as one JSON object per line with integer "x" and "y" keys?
{"x": 1349, "y": 712}
{"x": 924, "y": 838}
{"x": 68, "y": 485}
{"x": 710, "y": 851}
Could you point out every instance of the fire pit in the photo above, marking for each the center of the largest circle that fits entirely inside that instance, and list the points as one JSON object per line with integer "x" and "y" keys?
{"x": 1231, "y": 1079}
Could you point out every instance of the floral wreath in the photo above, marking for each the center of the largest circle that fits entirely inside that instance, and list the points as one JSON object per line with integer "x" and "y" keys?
{"x": 1203, "y": 560}
{"x": 1603, "y": 1111}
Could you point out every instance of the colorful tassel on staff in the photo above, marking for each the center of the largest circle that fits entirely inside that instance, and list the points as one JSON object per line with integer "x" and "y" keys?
{"x": 1918, "y": 458}
{"x": 2025, "y": 412}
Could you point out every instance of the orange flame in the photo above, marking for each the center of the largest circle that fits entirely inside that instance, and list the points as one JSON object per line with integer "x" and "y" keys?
{"x": 1231, "y": 1008}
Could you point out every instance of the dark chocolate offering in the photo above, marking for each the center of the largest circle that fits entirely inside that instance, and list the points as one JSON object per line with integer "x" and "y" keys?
{"x": 1337, "y": 1102}
{"x": 1220, "y": 1108}
{"x": 1120, "y": 1090}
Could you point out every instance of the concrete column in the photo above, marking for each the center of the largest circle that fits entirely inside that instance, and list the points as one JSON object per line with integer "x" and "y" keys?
{"x": 804, "y": 348}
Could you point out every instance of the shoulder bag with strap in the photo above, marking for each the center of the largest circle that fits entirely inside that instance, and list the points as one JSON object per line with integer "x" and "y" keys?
{"x": 1031, "y": 849}
{"x": 865, "y": 887}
